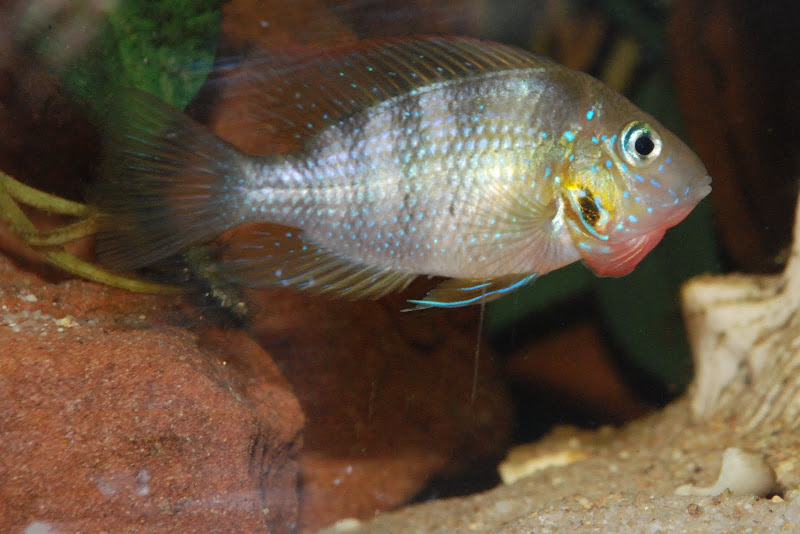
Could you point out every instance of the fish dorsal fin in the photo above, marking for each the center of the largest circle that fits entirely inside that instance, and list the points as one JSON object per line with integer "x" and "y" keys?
{"x": 295, "y": 92}
{"x": 457, "y": 292}
{"x": 266, "y": 255}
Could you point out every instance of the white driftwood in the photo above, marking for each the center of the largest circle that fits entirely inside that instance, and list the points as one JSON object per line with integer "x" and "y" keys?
{"x": 745, "y": 335}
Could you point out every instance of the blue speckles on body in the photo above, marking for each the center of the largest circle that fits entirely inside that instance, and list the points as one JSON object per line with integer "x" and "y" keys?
{"x": 452, "y": 174}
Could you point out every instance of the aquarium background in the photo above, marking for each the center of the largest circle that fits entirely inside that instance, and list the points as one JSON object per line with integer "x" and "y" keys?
{"x": 400, "y": 398}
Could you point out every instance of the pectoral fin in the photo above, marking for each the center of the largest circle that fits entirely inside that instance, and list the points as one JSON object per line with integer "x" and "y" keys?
{"x": 457, "y": 292}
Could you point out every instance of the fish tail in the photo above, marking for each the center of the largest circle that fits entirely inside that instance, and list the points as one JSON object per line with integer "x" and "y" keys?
{"x": 168, "y": 183}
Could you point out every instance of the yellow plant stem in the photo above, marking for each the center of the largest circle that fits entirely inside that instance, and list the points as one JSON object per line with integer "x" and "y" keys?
{"x": 49, "y": 243}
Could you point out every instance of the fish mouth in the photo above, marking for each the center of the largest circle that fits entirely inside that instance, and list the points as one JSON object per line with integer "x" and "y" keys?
{"x": 684, "y": 204}
{"x": 669, "y": 213}
{"x": 701, "y": 189}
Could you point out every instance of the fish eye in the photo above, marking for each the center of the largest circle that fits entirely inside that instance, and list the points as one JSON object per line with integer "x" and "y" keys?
{"x": 640, "y": 144}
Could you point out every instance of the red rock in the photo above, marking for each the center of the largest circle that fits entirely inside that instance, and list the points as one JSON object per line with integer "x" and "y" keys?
{"x": 576, "y": 370}
{"x": 387, "y": 397}
{"x": 115, "y": 419}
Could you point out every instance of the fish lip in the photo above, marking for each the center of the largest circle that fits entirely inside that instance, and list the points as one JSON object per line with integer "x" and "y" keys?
{"x": 697, "y": 192}
{"x": 675, "y": 213}
{"x": 701, "y": 189}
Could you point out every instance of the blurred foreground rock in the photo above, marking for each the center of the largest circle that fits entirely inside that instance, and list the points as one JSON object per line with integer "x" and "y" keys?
{"x": 388, "y": 398}
{"x": 116, "y": 418}
{"x": 123, "y": 412}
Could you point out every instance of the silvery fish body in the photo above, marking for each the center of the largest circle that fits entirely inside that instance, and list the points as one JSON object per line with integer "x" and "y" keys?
{"x": 437, "y": 156}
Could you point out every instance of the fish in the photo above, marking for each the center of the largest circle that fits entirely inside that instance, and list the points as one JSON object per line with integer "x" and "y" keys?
{"x": 441, "y": 156}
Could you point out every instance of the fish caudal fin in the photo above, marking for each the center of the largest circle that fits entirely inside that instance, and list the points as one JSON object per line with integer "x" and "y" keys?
{"x": 167, "y": 183}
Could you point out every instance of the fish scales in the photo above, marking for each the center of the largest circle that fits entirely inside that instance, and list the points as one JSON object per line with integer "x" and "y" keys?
{"x": 439, "y": 156}
{"x": 399, "y": 182}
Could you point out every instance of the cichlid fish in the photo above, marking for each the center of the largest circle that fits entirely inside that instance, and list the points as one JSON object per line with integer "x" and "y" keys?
{"x": 439, "y": 156}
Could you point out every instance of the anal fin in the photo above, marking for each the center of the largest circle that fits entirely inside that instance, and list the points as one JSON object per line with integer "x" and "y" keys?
{"x": 267, "y": 255}
{"x": 457, "y": 292}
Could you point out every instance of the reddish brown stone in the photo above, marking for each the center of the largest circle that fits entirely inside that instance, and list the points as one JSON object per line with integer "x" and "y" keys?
{"x": 575, "y": 368}
{"x": 115, "y": 419}
{"x": 388, "y": 397}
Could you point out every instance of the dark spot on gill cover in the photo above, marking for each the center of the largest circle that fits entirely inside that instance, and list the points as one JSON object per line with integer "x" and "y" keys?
{"x": 589, "y": 209}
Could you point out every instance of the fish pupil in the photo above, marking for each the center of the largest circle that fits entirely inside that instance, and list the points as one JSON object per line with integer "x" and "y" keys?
{"x": 644, "y": 145}
{"x": 589, "y": 211}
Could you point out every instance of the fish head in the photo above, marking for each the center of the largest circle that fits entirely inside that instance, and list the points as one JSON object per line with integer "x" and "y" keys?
{"x": 628, "y": 180}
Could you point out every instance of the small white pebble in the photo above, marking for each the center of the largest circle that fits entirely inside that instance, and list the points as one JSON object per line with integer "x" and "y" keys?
{"x": 742, "y": 473}
{"x": 503, "y": 507}
{"x": 40, "y": 527}
{"x": 349, "y": 524}
{"x": 67, "y": 321}
{"x": 29, "y": 297}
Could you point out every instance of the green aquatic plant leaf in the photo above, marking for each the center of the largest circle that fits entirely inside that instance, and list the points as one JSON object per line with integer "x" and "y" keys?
{"x": 164, "y": 47}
